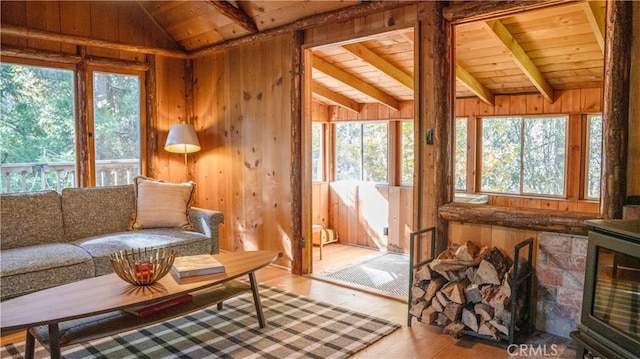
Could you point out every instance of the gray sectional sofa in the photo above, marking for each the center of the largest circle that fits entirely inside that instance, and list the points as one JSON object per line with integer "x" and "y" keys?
{"x": 49, "y": 239}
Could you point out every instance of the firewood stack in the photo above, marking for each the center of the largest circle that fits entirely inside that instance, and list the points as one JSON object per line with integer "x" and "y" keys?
{"x": 466, "y": 288}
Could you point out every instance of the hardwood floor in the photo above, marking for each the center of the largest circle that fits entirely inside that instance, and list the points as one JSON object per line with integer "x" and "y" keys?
{"x": 336, "y": 255}
{"x": 418, "y": 341}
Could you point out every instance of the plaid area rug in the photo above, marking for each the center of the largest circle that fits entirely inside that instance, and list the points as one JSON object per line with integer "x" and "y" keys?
{"x": 297, "y": 327}
{"x": 388, "y": 272}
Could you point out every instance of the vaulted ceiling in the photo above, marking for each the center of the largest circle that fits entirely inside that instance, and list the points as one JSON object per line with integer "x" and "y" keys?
{"x": 555, "y": 48}
{"x": 196, "y": 24}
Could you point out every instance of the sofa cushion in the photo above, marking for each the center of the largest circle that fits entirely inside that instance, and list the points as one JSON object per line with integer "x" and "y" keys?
{"x": 184, "y": 242}
{"x": 28, "y": 269}
{"x": 161, "y": 205}
{"x": 95, "y": 211}
{"x": 30, "y": 219}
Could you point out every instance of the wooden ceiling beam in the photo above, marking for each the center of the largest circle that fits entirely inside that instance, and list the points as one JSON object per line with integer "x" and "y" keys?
{"x": 381, "y": 64}
{"x": 236, "y": 15}
{"x": 497, "y": 29}
{"x": 336, "y": 98}
{"x": 595, "y": 15}
{"x": 355, "y": 83}
{"x": 460, "y": 12}
{"x": 474, "y": 85}
{"x": 31, "y": 33}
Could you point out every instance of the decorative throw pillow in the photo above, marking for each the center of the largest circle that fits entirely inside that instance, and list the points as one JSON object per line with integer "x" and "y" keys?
{"x": 161, "y": 205}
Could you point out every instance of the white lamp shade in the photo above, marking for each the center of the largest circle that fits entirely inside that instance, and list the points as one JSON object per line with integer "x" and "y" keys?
{"x": 182, "y": 138}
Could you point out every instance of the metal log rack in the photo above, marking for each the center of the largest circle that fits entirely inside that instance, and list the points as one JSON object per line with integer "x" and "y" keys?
{"x": 524, "y": 324}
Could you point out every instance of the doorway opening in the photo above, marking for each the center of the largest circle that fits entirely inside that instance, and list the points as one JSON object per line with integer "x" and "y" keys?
{"x": 360, "y": 124}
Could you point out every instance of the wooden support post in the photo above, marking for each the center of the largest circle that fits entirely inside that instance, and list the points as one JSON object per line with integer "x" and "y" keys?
{"x": 151, "y": 118}
{"x": 617, "y": 64}
{"x": 297, "y": 213}
{"x": 434, "y": 116}
{"x": 83, "y": 172}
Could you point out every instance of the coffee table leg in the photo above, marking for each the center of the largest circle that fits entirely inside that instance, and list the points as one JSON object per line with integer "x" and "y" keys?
{"x": 256, "y": 299}
{"x": 54, "y": 341}
{"x": 30, "y": 345}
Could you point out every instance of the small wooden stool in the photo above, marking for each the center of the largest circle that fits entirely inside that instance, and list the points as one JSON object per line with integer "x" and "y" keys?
{"x": 323, "y": 236}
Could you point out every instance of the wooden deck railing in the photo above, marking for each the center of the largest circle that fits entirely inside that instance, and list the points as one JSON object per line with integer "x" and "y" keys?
{"x": 27, "y": 177}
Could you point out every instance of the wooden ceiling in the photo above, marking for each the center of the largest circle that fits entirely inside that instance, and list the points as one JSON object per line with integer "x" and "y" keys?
{"x": 196, "y": 24}
{"x": 540, "y": 51}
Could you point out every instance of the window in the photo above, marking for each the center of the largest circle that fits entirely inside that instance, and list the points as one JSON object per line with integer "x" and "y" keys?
{"x": 524, "y": 155}
{"x": 406, "y": 155}
{"x": 38, "y": 150}
{"x": 594, "y": 156}
{"x": 38, "y": 130}
{"x": 460, "y": 176}
{"x": 116, "y": 120}
{"x": 317, "y": 150}
{"x": 361, "y": 151}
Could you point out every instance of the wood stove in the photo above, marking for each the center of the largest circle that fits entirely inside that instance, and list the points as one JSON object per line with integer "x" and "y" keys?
{"x": 610, "y": 322}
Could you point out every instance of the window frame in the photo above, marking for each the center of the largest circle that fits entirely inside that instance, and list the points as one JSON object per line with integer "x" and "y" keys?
{"x": 399, "y": 154}
{"x": 575, "y": 167}
{"x": 83, "y": 98}
{"x": 361, "y": 124}
{"x": 587, "y": 155}
{"x": 467, "y": 152}
{"x": 323, "y": 152}
{"x": 90, "y": 70}
{"x": 521, "y": 185}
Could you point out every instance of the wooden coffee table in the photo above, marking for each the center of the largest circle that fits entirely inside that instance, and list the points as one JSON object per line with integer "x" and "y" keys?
{"x": 94, "y": 308}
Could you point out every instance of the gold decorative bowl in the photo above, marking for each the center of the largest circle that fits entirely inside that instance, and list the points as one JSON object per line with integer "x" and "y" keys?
{"x": 142, "y": 266}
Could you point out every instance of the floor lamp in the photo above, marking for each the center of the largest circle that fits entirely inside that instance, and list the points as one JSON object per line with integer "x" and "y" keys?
{"x": 182, "y": 138}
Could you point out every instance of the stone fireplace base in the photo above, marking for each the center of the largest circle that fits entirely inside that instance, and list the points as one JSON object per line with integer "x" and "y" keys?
{"x": 560, "y": 282}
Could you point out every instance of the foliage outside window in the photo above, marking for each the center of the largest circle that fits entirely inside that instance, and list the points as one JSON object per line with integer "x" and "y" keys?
{"x": 406, "y": 156}
{"x": 524, "y": 155}
{"x": 361, "y": 151}
{"x": 317, "y": 146}
{"x": 460, "y": 176}
{"x": 38, "y": 149}
{"x": 116, "y": 103}
{"x": 38, "y": 134}
{"x": 594, "y": 157}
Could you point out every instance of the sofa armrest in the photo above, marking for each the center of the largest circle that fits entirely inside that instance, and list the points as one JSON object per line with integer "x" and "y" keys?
{"x": 206, "y": 222}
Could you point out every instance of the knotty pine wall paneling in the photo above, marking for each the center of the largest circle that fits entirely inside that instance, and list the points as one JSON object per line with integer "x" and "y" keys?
{"x": 213, "y": 125}
{"x": 74, "y": 24}
{"x": 359, "y": 212}
{"x": 320, "y": 204}
{"x": 242, "y": 104}
{"x": 14, "y": 12}
{"x": 43, "y": 15}
{"x": 170, "y": 94}
{"x": 103, "y": 27}
{"x": 320, "y": 190}
{"x": 492, "y": 236}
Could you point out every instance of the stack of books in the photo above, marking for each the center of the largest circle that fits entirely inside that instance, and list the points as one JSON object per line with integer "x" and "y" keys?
{"x": 145, "y": 310}
{"x": 191, "y": 266}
